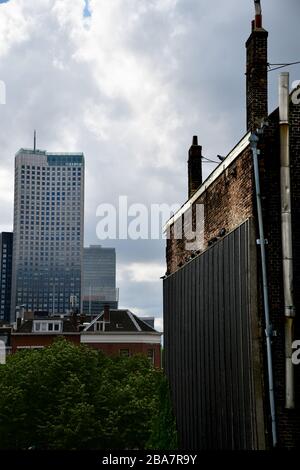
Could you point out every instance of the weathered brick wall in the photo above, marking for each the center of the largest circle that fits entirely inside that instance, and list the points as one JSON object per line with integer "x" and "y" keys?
{"x": 288, "y": 420}
{"x": 228, "y": 202}
{"x": 257, "y": 78}
{"x": 34, "y": 340}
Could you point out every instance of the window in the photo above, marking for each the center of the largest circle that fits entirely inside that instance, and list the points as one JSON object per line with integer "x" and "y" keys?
{"x": 150, "y": 355}
{"x": 45, "y": 326}
{"x": 124, "y": 352}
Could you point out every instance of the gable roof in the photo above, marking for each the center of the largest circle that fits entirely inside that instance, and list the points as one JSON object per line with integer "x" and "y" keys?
{"x": 122, "y": 321}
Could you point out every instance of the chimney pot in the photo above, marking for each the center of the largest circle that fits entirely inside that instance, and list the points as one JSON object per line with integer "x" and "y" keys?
{"x": 258, "y": 21}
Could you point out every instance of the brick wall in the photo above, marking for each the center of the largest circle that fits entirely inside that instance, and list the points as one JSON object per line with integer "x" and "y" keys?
{"x": 113, "y": 349}
{"x": 227, "y": 203}
{"x": 288, "y": 420}
{"x": 257, "y": 77}
{"x": 26, "y": 340}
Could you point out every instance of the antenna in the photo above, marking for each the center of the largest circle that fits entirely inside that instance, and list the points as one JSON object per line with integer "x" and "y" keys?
{"x": 34, "y": 142}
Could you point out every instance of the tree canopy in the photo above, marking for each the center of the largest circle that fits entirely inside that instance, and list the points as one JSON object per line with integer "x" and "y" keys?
{"x": 73, "y": 397}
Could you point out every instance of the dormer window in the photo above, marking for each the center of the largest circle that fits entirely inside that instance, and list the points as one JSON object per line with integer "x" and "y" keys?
{"x": 46, "y": 326}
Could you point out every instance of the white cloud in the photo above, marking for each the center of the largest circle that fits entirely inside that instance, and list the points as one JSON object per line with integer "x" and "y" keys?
{"x": 15, "y": 27}
{"x": 140, "y": 272}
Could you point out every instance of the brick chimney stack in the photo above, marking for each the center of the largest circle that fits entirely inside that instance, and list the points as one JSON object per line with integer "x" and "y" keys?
{"x": 257, "y": 72}
{"x": 195, "y": 167}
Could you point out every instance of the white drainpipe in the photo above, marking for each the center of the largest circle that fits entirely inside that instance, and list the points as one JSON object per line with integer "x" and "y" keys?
{"x": 286, "y": 231}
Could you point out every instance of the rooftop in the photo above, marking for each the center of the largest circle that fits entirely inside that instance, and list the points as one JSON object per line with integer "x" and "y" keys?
{"x": 121, "y": 321}
{"x": 45, "y": 153}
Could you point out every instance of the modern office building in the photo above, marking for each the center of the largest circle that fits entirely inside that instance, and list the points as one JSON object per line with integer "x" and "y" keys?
{"x": 6, "y": 248}
{"x": 99, "y": 279}
{"x": 48, "y": 231}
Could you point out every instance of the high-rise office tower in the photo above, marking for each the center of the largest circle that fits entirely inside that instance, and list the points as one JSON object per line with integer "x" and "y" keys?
{"x": 6, "y": 247}
{"x": 99, "y": 279}
{"x": 48, "y": 231}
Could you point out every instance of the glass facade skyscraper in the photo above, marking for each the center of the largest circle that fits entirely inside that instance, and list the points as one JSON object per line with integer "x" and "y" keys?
{"x": 99, "y": 279}
{"x": 48, "y": 231}
{"x": 6, "y": 247}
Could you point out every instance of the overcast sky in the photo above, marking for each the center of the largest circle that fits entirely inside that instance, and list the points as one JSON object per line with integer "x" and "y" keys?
{"x": 129, "y": 82}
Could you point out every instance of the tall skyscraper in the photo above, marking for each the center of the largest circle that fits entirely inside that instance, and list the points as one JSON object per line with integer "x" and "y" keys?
{"x": 99, "y": 279}
{"x": 6, "y": 248}
{"x": 48, "y": 231}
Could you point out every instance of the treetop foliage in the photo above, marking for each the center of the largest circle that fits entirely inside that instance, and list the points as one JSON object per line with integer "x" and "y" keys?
{"x": 74, "y": 397}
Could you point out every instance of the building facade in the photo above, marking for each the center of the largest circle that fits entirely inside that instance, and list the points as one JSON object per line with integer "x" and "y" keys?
{"x": 121, "y": 332}
{"x": 216, "y": 297}
{"x": 6, "y": 250}
{"x": 40, "y": 331}
{"x": 114, "y": 332}
{"x": 99, "y": 279}
{"x": 48, "y": 231}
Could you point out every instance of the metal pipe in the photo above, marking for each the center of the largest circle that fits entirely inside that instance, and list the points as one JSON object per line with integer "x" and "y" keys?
{"x": 286, "y": 232}
{"x": 268, "y": 327}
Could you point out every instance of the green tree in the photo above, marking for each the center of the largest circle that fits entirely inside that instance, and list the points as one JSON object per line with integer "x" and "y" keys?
{"x": 73, "y": 397}
{"x": 163, "y": 431}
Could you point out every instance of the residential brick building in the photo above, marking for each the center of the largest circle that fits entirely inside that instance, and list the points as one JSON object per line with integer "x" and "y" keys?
{"x": 40, "y": 331}
{"x": 214, "y": 310}
{"x": 120, "y": 332}
{"x": 115, "y": 332}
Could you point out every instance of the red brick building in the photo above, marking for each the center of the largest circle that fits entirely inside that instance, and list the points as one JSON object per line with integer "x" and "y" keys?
{"x": 115, "y": 332}
{"x": 216, "y": 297}
{"x": 120, "y": 332}
{"x": 40, "y": 332}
